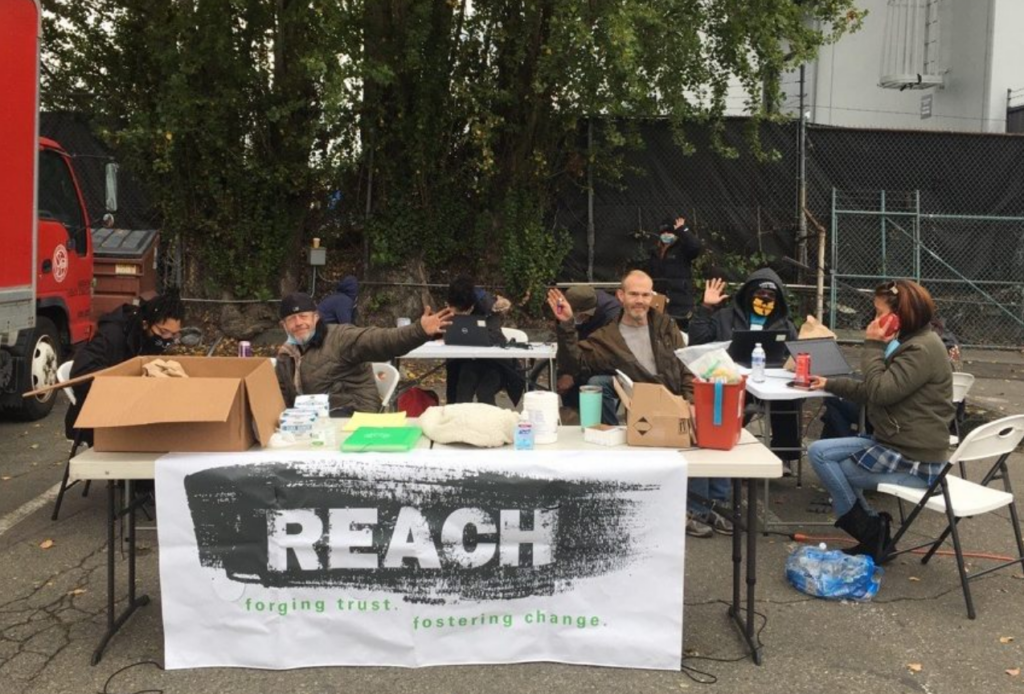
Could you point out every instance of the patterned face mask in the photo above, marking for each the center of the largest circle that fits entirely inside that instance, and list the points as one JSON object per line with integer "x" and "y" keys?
{"x": 763, "y": 307}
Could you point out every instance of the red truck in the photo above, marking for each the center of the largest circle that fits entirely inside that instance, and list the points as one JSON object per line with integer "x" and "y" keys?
{"x": 46, "y": 271}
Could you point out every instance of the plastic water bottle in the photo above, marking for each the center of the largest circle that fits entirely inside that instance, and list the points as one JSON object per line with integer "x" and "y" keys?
{"x": 323, "y": 433}
{"x": 757, "y": 359}
{"x": 832, "y": 574}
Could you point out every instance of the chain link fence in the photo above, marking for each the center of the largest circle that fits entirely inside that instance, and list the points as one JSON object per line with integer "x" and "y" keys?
{"x": 945, "y": 208}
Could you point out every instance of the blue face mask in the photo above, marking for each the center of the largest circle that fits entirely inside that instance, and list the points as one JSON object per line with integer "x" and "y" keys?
{"x": 292, "y": 340}
{"x": 668, "y": 239}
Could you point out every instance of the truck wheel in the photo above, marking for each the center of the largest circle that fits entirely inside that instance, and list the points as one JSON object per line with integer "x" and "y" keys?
{"x": 44, "y": 359}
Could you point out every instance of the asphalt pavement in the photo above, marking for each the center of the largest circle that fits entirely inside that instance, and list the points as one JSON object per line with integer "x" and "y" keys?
{"x": 914, "y": 637}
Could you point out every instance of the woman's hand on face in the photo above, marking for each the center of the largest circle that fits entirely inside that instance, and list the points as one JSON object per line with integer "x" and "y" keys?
{"x": 819, "y": 383}
{"x": 875, "y": 331}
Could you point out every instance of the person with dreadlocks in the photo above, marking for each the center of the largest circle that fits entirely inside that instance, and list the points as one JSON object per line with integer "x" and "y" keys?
{"x": 126, "y": 332}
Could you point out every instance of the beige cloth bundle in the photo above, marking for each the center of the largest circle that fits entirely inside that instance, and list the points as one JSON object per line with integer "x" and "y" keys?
{"x": 159, "y": 368}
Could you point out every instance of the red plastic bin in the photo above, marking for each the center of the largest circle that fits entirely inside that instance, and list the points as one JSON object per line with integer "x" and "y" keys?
{"x": 718, "y": 418}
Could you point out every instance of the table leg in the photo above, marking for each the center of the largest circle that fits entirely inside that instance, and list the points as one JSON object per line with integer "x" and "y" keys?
{"x": 745, "y": 623}
{"x": 767, "y": 441}
{"x": 114, "y": 623}
{"x": 737, "y": 547}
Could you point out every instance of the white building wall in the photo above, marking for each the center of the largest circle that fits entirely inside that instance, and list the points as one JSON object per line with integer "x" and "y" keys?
{"x": 982, "y": 49}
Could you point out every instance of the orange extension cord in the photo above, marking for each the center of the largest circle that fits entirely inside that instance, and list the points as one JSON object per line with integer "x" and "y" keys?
{"x": 805, "y": 539}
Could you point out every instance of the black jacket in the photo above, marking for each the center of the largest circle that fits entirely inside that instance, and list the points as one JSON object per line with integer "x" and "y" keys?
{"x": 118, "y": 338}
{"x": 608, "y": 311}
{"x": 340, "y": 307}
{"x": 512, "y": 380}
{"x": 708, "y": 325}
{"x": 673, "y": 274}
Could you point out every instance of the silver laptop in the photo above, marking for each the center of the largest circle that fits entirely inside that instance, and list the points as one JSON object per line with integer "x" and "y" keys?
{"x": 826, "y": 358}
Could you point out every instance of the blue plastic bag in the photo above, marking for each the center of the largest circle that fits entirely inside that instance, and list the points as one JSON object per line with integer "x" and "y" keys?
{"x": 833, "y": 575}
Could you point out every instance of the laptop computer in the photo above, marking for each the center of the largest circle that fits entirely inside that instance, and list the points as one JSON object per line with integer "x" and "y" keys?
{"x": 468, "y": 331}
{"x": 826, "y": 358}
{"x": 772, "y": 341}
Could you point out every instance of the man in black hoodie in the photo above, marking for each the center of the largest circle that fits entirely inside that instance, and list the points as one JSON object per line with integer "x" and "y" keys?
{"x": 760, "y": 304}
{"x": 127, "y": 332}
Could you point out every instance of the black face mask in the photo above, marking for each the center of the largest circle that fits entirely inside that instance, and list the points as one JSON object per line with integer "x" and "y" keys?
{"x": 154, "y": 344}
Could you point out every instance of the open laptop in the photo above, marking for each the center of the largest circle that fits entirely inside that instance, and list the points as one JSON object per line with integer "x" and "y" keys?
{"x": 826, "y": 358}
{"x": 772, "y": 341}
{"x": 468, "y": 331}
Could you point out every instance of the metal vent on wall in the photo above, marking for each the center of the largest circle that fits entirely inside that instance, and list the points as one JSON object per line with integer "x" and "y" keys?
{"x": 910, "y": 55}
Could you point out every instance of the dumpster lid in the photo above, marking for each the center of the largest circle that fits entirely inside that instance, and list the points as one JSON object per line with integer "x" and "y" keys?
{"x": 122, "y": 243}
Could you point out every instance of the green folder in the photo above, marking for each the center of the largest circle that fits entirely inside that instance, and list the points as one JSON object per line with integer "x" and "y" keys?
{"x": 382, "y": 439}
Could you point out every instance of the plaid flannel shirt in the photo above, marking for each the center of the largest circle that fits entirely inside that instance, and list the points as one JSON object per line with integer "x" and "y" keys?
{"x": 878, "y": 458}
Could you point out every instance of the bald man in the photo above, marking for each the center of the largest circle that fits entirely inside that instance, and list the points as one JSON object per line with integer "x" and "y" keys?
{"x": 641, "y": 344}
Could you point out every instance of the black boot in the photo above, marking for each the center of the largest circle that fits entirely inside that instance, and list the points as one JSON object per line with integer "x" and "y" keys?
{"x": 872, "y": 533}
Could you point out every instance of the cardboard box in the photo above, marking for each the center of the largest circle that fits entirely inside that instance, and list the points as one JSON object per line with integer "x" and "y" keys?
{"x": 659, "y": 302}
{"x": 226, "y": 404}
{"x": 656, "y": 417}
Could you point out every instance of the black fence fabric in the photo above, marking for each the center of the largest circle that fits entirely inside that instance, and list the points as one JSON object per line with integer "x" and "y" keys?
{"x": 743, "y": 205}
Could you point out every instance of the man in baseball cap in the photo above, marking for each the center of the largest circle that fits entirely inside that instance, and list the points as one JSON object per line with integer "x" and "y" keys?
{"x": 336, "y": 359}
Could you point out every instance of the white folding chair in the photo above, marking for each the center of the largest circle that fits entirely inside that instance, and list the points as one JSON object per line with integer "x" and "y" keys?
{"x": 63, "y": 375}
{"x": 386, "y": 377}
{"x": 959, "y": 498}
{"x": 962, "y": 383}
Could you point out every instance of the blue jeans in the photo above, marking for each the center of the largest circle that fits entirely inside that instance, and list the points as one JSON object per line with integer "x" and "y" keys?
{"x": 609, "y": 399}
{"x": 844, "y": 479}
{"x": 713, "y": 488}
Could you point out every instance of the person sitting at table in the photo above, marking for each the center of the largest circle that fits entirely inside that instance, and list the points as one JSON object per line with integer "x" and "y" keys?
{"x": 760, "y": 304}
{"x": 592, "y": 309}
{"x": 340, "y": 306}
{"x": 124, "y": 333}
{"x": 907, "y": 388}
{"x": 336, "y": 359}
{"x": 481, "y": 380}
{"x": 642, "y": 345}
{"x": 841, "y": 417}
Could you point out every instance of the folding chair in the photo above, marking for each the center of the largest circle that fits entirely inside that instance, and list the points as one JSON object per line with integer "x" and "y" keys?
{"x": 64, "y": 374}
{"x": 962, "y": 383}
{"x": 959, "y": 498}
{"x": 386, "y": 377}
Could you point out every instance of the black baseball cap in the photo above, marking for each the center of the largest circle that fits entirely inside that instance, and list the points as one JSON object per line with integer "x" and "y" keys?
{"x": 297, "y": 302}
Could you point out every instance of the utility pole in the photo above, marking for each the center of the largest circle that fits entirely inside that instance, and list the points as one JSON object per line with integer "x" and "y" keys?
{"x": 802, "y": 174}
{"x": 590, "y": 200}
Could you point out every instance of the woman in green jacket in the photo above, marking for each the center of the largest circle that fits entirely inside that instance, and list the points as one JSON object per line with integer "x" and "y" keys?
{"x": 907, "y": 389}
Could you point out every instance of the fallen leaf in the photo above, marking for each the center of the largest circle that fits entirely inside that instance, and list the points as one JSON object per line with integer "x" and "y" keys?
{"x": 914, "y": 667}
{"x": 76, "y": 591}
{"x": 34, "y": 446}
{"x": 1005, "y": 639}
{"x": 46, "y": 544}
{"x": 1013, "y": 672}
{"x": 5, "y": 478}
{"x": 914, "y": 578}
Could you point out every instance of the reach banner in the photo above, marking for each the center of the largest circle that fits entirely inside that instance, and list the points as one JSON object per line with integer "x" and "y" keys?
{"x": 274, "y": 559}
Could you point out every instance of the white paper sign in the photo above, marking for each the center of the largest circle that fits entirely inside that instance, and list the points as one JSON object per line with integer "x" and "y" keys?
{"x": 277, "y": 559}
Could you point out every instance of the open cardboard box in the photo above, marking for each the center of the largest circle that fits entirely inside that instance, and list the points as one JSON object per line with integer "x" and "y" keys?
{"x": 226, "y": 404}
{"x": 655, "y": 417}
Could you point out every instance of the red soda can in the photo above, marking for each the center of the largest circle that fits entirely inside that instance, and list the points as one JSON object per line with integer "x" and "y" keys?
{"x": 244, "y": 348}
{"x": 803, "y": 369}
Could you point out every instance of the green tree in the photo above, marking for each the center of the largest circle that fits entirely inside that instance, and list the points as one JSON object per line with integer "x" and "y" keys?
{"x": 456, "y": 121}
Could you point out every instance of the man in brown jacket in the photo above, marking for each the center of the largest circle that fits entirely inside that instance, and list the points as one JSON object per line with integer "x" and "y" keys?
{"x": 641, "y": 344}
{"x": 335, "y": 359}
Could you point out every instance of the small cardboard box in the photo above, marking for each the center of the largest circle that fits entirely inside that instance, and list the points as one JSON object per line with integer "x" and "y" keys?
{"x": 656, "y": 417}
{"x": 226, "y": 404}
